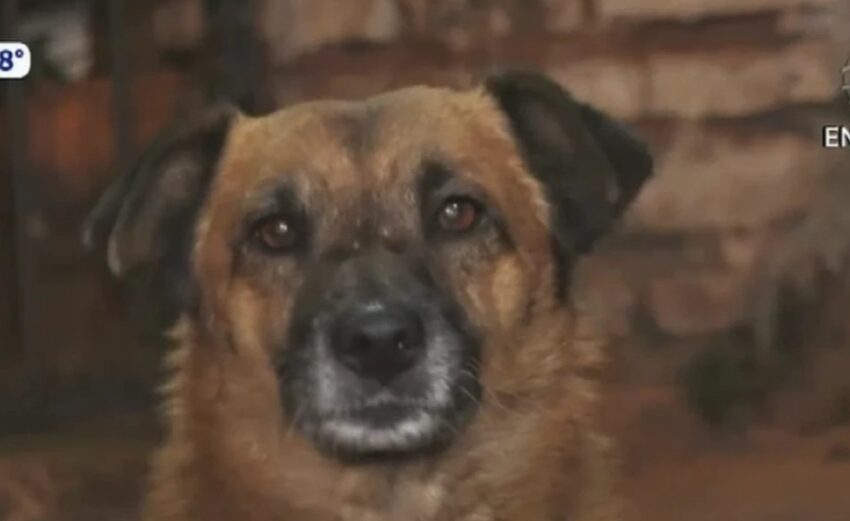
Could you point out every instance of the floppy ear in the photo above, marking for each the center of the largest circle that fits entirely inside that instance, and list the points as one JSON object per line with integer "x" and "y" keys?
{"x": 147, "y": 214}
{"x": 591, "y": 166}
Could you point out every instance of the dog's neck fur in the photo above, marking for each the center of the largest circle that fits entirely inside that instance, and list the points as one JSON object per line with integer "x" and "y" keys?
{"x": 543, "y": 461}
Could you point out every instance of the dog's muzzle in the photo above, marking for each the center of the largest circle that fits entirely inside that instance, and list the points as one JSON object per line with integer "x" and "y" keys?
{"x": 379, "y": 362}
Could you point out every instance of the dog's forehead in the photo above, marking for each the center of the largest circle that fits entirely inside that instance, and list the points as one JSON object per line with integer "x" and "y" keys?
{"x": 342, "y": 145}
{"x": 344, "y": 159}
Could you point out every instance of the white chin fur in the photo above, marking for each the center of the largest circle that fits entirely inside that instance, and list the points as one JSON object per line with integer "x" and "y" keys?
{"x": 356, "y": 435}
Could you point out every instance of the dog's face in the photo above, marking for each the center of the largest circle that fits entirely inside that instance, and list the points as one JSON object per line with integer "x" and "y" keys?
{"x": 383, "y": 258}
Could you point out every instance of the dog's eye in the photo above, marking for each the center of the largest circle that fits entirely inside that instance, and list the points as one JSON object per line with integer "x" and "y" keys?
{"x": 275, "y": 233}
{"x": 458, "y": 214}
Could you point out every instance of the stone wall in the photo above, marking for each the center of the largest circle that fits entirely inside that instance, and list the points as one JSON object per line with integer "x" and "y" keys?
{"x": 730, "y": 95}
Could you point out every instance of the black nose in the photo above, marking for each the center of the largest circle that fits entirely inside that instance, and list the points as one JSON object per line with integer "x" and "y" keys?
{"x": 379, "y": 344}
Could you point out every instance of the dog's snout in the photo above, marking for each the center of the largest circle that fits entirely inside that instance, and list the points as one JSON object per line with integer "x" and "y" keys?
{"x": 379, "y": 344}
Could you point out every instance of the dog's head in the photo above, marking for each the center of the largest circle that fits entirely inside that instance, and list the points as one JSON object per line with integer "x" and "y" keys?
{"x": 384, "y": 259}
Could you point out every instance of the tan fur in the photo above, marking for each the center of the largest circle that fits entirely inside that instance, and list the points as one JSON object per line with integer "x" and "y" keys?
{"x": 531, "y": 453}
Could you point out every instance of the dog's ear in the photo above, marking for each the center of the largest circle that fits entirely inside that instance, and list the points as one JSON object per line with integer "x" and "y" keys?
{"x": 591, "y": 166}
{"x": 148, "y": 213}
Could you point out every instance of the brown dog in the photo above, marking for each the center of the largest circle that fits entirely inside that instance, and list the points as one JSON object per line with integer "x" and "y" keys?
{"x": 376, "y": 323}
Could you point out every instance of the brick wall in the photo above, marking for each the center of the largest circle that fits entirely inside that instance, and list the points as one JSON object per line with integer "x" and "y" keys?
{"x": 729, "y": 93}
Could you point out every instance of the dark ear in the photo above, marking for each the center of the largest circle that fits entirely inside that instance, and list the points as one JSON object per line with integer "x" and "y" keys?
{"x": 590, "y": 166}
{"x": 147, "y": 214}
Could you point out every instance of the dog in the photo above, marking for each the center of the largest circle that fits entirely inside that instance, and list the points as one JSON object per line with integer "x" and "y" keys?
{"x": 376, "y": 321}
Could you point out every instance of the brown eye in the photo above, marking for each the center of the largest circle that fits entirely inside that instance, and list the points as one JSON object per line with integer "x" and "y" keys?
{"x": 458, "y": 214}
{"x": 275, "y": 233}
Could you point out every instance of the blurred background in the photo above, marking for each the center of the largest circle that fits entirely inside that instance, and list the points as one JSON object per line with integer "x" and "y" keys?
{"x": 726, "y": 292}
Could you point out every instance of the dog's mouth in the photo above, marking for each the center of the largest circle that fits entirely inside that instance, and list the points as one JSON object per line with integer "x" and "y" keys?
{"x": 384, "y": 411}
{"x": 390, "y": 426}
{"x": 382, "y": 431}
{"x": 354, "y": 418}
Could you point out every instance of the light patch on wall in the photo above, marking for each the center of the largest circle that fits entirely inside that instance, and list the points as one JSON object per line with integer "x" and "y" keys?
{"x": 62, "y": 35}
